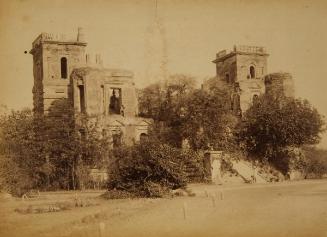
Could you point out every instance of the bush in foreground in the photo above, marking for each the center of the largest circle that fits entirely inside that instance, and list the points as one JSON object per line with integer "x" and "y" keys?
{"x": 150, "y": 169}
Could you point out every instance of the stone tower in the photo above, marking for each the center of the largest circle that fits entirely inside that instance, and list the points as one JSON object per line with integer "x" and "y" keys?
{"x": 279, "y": 84}
{"x": 242, "y": 70}
{"x": 54, "y": 58}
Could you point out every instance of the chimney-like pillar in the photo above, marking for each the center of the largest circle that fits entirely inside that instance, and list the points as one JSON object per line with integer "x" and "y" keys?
{"x": 89, "y": 60}
{"x": 80, "y": 35}
{"x": 98, "y": 59}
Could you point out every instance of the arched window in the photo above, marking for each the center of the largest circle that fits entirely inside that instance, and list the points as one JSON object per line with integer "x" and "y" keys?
{"x": 143, "y": 137}
{"x": 252, "y": 72}
{"x": 63, "y": 66}
{"x": 255, "y": 99}
{"x": 82, "y": 106}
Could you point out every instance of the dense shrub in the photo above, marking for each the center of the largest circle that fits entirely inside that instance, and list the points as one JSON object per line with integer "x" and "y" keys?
{"x": 150, "y": 169}
{"x": 49, "y": 152}
{"x": 13, "y": 179}
{"x": 315, "y": 163}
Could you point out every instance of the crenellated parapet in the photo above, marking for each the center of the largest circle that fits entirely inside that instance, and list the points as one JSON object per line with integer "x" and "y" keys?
{"x": 250, "y": 49}
{"x": 59, "y": 39}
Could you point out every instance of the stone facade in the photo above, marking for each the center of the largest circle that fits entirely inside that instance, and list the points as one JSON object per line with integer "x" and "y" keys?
{"x": 212, "y": 166}
{"x": 63, "y": 71}
{"x": 243, "y": 72}
{"x": 54, "y": 59}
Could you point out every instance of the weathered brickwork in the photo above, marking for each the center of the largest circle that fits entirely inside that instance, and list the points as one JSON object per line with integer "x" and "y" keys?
{"x": 62, "y": 70}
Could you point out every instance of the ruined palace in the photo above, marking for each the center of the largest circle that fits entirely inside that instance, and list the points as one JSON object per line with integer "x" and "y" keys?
{"x": 243, "y": 72}
{"x": 63, "y": 71}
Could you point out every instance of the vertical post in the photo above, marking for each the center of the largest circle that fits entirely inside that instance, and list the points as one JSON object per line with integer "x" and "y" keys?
{"x": 213, "y": 201}
{"x": 184, "y": 210}
{"x": 47, "y": 160}
{"x": 101, "y": 229}
{"x": 220, "y": 195}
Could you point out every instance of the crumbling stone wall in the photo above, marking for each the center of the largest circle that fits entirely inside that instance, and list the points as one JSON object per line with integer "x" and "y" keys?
{"x": 64, "y": 73}
{"x": 98, "y": 84}
{"x": 279, "y": 84}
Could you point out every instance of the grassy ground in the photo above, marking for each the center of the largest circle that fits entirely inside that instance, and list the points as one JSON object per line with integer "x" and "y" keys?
{"x": 282, "y": 209}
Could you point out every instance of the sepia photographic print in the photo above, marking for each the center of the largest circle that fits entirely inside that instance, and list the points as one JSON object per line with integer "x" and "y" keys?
{"x": 173, "y": 118}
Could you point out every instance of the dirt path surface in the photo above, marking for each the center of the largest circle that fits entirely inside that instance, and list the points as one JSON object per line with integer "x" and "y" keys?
{"x": 283, "y": 209}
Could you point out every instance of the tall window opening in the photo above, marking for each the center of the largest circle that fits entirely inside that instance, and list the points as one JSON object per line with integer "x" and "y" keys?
{"x": 117, "y": 139}
{"x": 252, "y": 72}
{"x": 143, "y": 137}
{"x": 63, "y": 64}
{"x": 255, "y": 99}
{"x": 103, "y": 100}
{"x": 81, "y": 99}
{"x": 115, "y": 106}
{"x": 104, "y": 133}
{"x": 82, "y": 134}
{"x": 227, "y": 77}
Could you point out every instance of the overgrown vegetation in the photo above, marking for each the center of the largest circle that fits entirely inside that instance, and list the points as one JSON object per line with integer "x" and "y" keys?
{"x": 53, "y": 152}
{"x": 202, "y": 118}
{"x": 48, "y": 152}
{"x": 274, "y": 129}
{"x": 315, "y": 163}
{"x": 149, "y": 169}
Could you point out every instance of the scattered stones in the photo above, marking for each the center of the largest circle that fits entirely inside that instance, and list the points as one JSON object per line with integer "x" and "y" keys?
{"x": 179, "y": 193}
{"x": 100, "y": 216}
{"x": 55, "y": 207}
{"x": 183, "y": 192}
{"x": 5, "y": 196}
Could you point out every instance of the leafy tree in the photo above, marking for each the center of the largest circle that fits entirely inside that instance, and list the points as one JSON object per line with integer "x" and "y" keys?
{"x": 208, "y": 121}
{"x": 151, "y": 101}
{"x": 203, "y": 117}
{"x": 271, "y": 126}
{"x": 71, "y": 146}
{"x": 161, "y": 101}
{"x": 49, "y": 151}
{"x": 19, "y": 168}
{"x": 165, "y": 103}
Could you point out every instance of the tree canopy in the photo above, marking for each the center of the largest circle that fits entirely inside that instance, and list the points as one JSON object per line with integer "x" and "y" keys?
{"x": 271, "y": 126}
{"x": 48, "y": 151}
{"x": 202, "y": 117}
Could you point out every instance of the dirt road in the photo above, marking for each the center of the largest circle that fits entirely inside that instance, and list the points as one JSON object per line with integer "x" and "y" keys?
{"x": 285, "y": 209}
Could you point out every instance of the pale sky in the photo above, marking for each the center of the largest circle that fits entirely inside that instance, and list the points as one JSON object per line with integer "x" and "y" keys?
{"x": 185, "y": 40}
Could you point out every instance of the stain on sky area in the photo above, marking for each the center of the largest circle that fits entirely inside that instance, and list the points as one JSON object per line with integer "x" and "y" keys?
{"x": 156, "y": 49}
{"x": 26, "y": 18}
